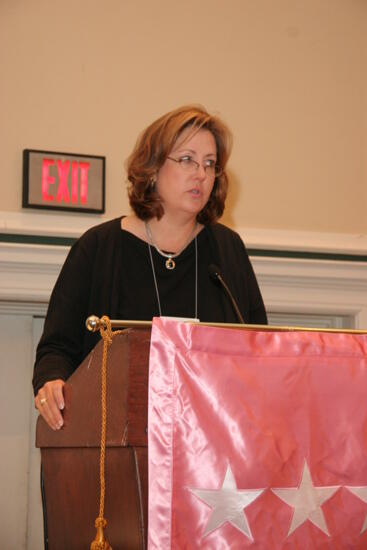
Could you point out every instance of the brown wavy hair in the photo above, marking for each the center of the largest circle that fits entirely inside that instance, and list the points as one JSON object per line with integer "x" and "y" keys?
{"x": 154, "y": 146}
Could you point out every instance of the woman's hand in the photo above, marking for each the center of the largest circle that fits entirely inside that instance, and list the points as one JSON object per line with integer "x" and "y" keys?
{"x": 50, "y": 401}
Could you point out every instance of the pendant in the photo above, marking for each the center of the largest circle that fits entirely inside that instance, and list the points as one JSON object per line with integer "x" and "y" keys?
{"x": 170, "y": 264}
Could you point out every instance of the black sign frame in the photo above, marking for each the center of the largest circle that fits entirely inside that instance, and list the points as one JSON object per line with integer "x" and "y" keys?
{"x": 35, "y": 155}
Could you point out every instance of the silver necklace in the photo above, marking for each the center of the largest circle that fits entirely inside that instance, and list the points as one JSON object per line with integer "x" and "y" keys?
{"x": 170, "y": 264}
{"x": 156, "y": 284}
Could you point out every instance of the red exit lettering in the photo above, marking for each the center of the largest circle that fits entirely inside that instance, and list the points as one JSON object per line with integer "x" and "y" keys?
{"x": 62, "y": 192}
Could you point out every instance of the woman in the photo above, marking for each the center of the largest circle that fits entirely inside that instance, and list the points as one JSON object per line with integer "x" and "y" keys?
{"x": 154, "y": 261}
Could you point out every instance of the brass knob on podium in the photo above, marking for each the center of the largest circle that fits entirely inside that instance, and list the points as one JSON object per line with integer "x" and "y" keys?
{"x": 94, "y": 323}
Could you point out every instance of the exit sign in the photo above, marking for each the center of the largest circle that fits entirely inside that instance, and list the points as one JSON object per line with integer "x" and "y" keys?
{"x": 63, "y": 181}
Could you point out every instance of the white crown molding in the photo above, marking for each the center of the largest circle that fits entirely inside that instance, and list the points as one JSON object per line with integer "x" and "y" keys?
{"x": 322, "y": 274}
{"x": 28, "y": 274}
{"x": 72, "y": 225}
{"x": 314, "y": 286}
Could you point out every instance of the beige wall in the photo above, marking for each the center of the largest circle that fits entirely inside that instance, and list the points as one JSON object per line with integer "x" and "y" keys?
{"x": 289, "y": 76}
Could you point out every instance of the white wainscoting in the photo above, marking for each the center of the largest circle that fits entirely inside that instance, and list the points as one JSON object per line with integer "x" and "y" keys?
{"x": 21, "y": 521}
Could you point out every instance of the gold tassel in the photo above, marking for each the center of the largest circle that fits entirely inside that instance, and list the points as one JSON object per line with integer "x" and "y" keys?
{"x": 100, "y": 542}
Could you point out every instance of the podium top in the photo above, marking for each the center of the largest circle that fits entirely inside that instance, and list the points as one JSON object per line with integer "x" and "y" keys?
{"x": 94, "y": 323}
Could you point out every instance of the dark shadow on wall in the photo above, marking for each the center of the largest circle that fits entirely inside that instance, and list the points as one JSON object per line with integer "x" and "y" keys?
{"x": 236, "y": 188}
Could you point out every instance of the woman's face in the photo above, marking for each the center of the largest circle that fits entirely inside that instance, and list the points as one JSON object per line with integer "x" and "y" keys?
{"x": 184, "y": 187}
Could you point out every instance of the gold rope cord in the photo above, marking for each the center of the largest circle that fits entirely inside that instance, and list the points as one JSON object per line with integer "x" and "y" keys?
{"x": 93, "y": 323}
{"x": 100, "y": 542}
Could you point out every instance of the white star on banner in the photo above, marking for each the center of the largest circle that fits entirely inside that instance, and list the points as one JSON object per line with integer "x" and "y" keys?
{"x": 360, "y": 492}
{"x": 306, "y": 501}
{"x": 228, "y": 504}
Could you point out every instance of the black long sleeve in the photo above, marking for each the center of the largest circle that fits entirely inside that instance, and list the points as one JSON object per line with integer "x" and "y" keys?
{"x": 108, "y": 272}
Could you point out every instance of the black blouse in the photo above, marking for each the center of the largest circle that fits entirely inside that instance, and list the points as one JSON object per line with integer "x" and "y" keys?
{"x": 108, "y": 271}
{"x": 176, "y": 287}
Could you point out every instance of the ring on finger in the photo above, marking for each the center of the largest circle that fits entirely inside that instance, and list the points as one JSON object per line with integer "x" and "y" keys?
{"x": 43, "y": 401}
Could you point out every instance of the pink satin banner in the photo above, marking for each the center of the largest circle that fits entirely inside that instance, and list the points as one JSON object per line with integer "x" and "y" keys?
{"x": 256, "y": 439}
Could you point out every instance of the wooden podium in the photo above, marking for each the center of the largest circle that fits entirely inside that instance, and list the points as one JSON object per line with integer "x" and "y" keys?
{"x": 70, "y": 456}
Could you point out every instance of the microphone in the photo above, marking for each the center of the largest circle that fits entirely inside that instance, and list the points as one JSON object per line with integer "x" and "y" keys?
{"x": 216, "y": 276}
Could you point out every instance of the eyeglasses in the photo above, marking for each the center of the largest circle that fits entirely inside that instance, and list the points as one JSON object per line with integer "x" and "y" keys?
{"x": 189, "y": 165}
